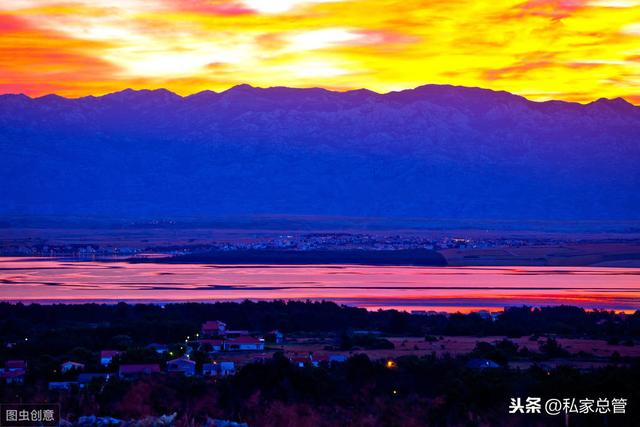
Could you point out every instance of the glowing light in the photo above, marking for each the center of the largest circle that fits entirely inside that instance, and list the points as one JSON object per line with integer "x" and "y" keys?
{"x": 278, "y": 6}
{"x": 615, "y": 3}
{"x": 633, "y": 29}
{"x": 320, "y": 39}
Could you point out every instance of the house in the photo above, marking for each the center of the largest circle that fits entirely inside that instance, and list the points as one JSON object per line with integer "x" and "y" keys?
{"x": 483, "y": 314}
{"x": 337, "y": 358}
{"x": 261, "y": 358}
{"x": 218, "y": 369}
{"x": 92, "y": 420}
{"x": 226, "y": 368}
{"x": 69, "y": 366}
{"x": 86, "y": 378}
{"x": 235, "y": 333}
{"x": 366, "y": 332}
{"x": 275, "y": 336}
{"x": 12, "y": 377}
{"x": 487, "y": 315}
{"x": 62, "y": 385}
{"x": 213, "y": 328}
{"x": 482, "y": 364}
{"x": 244, "y": 343}
{"x": 107, "y": 356}
{"x": 132, "y": 371}
{"x": 300, "y": 362}
{"x": 224, "y": 423}
{"x": 13, "y": 372}
{"x": 15, "y": 365}
{"x": 320, "y": 358}
{"x": 182, "y": 366}
{"x": 210, "y": 369}
{"x": 159, "y": 348}
{"x": 214, "y": 344}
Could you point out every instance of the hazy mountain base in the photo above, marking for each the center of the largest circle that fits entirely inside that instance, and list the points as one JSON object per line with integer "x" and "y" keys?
{"x": 436, "y": 151}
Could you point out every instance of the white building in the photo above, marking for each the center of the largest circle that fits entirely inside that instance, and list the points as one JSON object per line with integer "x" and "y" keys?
{"x": 244, "y": 343}
{"x": 69, "y": 366}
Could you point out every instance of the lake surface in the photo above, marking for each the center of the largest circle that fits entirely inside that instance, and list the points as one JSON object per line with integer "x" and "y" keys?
{"x": 406, "y": 288}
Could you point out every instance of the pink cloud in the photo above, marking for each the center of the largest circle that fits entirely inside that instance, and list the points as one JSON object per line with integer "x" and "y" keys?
{"x": 386, "y": 37}
{"x": 215, "y": 7}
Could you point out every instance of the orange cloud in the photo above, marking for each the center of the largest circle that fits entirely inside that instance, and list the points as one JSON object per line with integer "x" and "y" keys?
{"x": 38, "y": 61}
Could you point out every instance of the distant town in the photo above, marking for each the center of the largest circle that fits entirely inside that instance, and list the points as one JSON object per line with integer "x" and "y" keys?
{"x": 461, "y": 249}
{"x": 297, "y": 242}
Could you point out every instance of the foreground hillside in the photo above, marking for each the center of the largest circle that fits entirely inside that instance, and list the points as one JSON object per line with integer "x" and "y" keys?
{"x": 435, "y": 151}
{"x": 326, "y": 365}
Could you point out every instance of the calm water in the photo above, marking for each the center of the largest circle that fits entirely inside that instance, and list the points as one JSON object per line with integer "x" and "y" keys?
{"x": 407, "y": 288}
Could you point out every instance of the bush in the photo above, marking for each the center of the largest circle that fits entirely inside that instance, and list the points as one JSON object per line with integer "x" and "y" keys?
{"x": 551, "y": 348}
{"x": 370, "y": 342}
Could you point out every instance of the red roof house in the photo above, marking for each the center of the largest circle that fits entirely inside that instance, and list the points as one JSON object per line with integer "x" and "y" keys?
{"x": 16, "y": 365}
{"x": 13, "y": 377}
{"x": 182, "y": 365}
{"x": 213, "y": 328}
{"x": 216, "y": 344}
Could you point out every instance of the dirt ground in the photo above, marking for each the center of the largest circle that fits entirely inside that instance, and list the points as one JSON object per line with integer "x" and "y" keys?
{"x": 405, "y": 346}
{"x": 619, "y": 254}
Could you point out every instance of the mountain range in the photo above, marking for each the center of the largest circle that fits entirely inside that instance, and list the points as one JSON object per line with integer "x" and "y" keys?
{"x": 435, "y": 151}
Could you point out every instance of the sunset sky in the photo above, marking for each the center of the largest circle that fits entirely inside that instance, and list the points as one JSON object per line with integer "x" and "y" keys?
{"x": 574, "y": 50}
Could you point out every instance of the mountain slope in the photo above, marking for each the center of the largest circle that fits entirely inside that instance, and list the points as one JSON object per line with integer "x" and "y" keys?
{"x": 434, "y": 151}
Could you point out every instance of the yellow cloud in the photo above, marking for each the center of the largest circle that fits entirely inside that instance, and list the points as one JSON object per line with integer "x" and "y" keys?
{"x": 279, "y": 6}
{"x": 320, "y": 39}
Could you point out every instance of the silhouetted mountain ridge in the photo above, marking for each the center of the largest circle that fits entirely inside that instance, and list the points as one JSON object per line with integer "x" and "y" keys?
{"x": 433, "y": 151}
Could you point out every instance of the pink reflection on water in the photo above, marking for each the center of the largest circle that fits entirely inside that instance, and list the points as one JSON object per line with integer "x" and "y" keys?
{"x": 408, "y": 288}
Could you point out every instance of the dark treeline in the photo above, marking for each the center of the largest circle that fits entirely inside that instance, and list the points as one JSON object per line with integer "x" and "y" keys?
{"x": 172, "y": 322}
{"x": 360, "y": 392}
{"x": 417, "y": 257}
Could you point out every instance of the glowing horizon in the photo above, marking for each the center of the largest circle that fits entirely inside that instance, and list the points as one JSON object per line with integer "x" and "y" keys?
{"x": 452, "y": 288}
{"x": 186, "y": 95}
{"x": 572, "y": 50}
